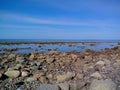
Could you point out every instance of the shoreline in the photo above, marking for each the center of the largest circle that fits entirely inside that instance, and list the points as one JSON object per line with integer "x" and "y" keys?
{"x": 37, "y": 70}
{"x": 11, "y": 43}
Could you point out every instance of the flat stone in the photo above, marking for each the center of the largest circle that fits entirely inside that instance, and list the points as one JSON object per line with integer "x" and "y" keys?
{"x": 102, "y": 85}
{"x": 12, "y": 73}
{"x": 48, "y": 87}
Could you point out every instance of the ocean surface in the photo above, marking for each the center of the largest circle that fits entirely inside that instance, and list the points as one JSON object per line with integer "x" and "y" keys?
{"x": 46, "y": 48}
{"x": 55, "y": 40}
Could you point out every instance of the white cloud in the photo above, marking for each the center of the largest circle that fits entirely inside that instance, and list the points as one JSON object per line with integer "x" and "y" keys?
{"x": 31, "y": 20}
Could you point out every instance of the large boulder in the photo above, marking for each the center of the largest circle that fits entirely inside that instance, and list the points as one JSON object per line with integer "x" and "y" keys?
{"x": 102, "y": 85}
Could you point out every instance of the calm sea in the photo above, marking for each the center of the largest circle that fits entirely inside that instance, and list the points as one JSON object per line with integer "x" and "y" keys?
{"x": 45, "y": 48}
{"x": 54, "y": 40}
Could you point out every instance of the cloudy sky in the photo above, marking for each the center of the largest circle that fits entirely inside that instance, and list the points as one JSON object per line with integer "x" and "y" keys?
{"x": 59, "y": 19}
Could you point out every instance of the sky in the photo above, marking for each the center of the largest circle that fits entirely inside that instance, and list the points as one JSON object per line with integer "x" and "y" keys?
{"x": 60, "y": 19}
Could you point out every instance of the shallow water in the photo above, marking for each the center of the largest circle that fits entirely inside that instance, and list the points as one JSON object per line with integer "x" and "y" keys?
{"x": 45, "y": 48}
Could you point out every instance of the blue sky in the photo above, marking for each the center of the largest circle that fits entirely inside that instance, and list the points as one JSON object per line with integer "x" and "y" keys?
{"x": 59, "y": 19}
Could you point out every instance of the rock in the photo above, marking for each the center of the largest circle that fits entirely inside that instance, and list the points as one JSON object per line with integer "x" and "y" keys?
{"x": 25, "y": 74}
{"x": 18, "y": 66}
{"x": 31, "y": 56}
{"x": 49, "y": 76}
{"x": 49, "y": 60}
{"x": 11, "y": 56}
{"x": 31, "y": 79}
{"x": 19, "y": 59}
{"x": 64, "y": 86}
{"x": 43, "y": 79}
{"x": 4, "y": 61}
{"x": 77, "y": 85}
{"x": 53, "y": 52}
{"x": 101, "y": 63}
{"x": 38, "y": 74}
{"x": 74, "y": 57}
{"x": 102, "y": 85}
{"x": 80, "y": 76}
{"x": 96, "y": 75}
{"x": 48, "y": 87}
{"x": 20, "y": 88}
{"x": 12, "y": 73}
{"x": 65, "y": 77}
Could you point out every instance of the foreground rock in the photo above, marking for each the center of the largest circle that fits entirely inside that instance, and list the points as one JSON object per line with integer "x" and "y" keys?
{"x": 102, "y": 85}
{"x": 12, "y": 73}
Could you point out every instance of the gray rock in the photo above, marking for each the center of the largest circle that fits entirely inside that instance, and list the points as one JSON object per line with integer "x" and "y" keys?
{"x": 102, "y": 85}
{"x": 64, "y": 86}
{"x": 77, "y": 85}
{"x": 48, "y": 87}
{"x": 12, "y": 73}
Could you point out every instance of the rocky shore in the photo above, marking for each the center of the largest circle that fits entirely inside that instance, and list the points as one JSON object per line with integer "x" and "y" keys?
{"x": 91, "y": 70}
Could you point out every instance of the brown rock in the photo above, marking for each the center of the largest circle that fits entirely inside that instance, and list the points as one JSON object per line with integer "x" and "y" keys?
{"x": 65, "y": 77}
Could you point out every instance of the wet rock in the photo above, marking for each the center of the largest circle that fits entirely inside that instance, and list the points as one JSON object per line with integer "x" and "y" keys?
{"x": 101, "y": 63}
{"x": 12, "y": 73}
{"x": 31, "y": 79}
{"x": 65, "y": 77}
{"x": 96, "y": 75}
{"x": 64, "y": 86}
{"x": 48, "y": 87}
{"x": 102, "y": 85}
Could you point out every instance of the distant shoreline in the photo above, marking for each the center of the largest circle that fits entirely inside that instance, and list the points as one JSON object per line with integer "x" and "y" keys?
{"x": 11, "y": 43}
